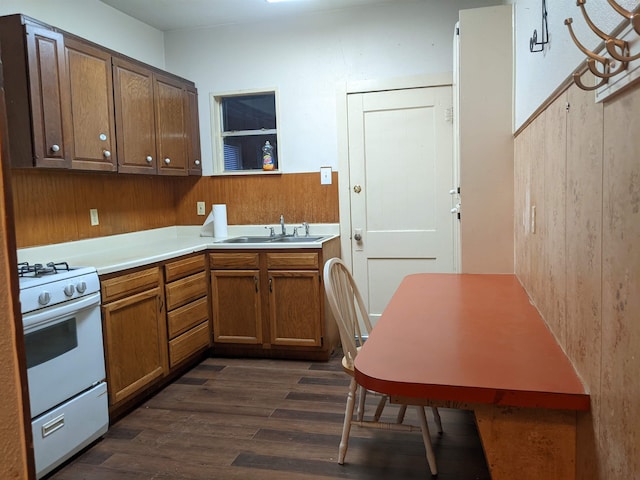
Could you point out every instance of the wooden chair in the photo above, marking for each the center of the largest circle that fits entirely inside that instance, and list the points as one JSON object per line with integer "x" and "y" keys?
{"x": 353, "y": 322}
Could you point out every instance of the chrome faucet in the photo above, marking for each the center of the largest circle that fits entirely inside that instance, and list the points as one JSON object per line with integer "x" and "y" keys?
{"x": 282, "y": 227}
{"x": 306, "y": 228}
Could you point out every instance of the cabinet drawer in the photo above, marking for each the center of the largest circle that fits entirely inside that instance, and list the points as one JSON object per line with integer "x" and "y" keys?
{"x": 188, "y": 343}
{"x": 182, "y": 319}
{"x": 185, "y": 290}
{"x": 234, "y": 260}
{"x": 129, "y": 284}
{"x": 182, "y": 268}
{"x": 292, "y": 260}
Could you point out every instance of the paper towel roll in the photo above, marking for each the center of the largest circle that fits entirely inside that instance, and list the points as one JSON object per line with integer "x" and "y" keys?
{"x": 220, "y": 221}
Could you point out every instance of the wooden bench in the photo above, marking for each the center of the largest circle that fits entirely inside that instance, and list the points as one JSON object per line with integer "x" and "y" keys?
{"x": 476, "y": 342}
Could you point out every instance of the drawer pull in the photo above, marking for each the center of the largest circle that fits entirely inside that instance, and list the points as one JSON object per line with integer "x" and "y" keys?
{"x": 52, "y": 425}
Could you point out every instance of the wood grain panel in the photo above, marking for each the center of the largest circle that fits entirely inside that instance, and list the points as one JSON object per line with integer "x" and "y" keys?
{"x": 184, "y": 267}
{"x": 521, "y": 206}
{"x": 584, "y": 263}
{"x": 185, "y": 290}
{"x": 53, "y": 206}
{"x": 188, "y": 343}
{"x": 620, "y": 287}
{"x": 261, "y": 199}
{"x": 552, "y": 224}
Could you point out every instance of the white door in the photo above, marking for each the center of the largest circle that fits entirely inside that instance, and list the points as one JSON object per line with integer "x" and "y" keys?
{"x": 400, "y": 175}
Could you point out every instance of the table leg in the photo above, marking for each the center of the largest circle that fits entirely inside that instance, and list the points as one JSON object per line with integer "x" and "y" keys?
{"x": 527, "y": 443}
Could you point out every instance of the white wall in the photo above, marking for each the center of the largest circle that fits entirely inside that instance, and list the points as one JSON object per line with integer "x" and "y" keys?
{"x": 538, "y": 74}
{"x": 97, "y": 22}
{"x": 306, "y": 58}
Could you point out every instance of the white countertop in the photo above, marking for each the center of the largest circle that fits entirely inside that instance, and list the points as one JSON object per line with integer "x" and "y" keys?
{"x": 129, "y": 250}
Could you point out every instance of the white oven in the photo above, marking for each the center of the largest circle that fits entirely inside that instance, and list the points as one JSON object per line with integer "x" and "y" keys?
{"x": 65, "y": 361}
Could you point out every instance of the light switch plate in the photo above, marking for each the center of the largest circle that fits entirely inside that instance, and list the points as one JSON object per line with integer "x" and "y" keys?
{"x": 201, "y": 208}
{"x": 325, "y": 175}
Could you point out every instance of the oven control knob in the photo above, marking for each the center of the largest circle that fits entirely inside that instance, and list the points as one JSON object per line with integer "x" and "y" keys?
{"x": 44, "y": 298}
{"x": 81, "y": 287}
{"x": 69, "y": 290}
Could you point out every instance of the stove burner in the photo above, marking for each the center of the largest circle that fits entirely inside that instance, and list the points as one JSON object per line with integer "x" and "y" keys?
{"x": 38, "y": 270}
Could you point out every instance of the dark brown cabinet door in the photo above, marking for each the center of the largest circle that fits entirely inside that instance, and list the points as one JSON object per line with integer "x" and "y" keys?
{"x": 135, "y": 122}
{"x": 92, "y": 111}
{"x": 195, "y": 162}
{"x": 171, "y": 126}
{"x": 48, "y": 85}
{"x": 295, "y": 314}
{"x": 237, "y": 316}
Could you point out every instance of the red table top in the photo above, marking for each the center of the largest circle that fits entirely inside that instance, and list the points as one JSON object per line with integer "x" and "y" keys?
{"x": 468, "y": 338}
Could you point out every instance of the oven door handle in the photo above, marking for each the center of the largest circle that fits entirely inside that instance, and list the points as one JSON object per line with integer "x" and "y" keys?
{"x": 40, "y": 318}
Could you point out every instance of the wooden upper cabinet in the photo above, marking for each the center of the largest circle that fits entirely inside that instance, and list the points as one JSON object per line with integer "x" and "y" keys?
{"x": 48, "y": 85}
{"x": 36, "y": 94}
{"x": 135, "y": 118}
{"x": 92, "y": 111}
{"x": 171, "y": 125}
{"x": 195, "y": 162}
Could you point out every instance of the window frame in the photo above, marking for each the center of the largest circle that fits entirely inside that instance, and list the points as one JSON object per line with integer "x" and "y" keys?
{"x": 218, "y": 134}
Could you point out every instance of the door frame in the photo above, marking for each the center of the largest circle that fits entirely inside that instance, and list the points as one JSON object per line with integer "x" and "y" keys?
{"x": 344, "y": 183}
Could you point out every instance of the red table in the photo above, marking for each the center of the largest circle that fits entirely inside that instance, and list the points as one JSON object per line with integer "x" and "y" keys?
{"x": 476, "y": 342}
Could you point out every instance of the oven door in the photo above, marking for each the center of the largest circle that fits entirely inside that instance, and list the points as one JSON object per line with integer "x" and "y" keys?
{"x": 64, "y": 351}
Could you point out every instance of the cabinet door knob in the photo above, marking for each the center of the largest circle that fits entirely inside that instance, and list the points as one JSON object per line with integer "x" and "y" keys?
{"x": 357, "y": 189}
{"x": 55, "y": 148}
{"x": 107, "y": 154}
{"x": 167, "y": 161}
{"x": 197, "y": 162}
{"x": 149, "y": 158}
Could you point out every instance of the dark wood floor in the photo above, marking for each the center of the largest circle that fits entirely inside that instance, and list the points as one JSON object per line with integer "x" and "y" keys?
{"x": 269, "y": 419}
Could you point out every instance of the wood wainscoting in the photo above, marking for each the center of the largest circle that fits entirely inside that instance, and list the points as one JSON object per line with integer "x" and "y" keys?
{"x": 53, "y": 206}
{"x": 261, "y": 199}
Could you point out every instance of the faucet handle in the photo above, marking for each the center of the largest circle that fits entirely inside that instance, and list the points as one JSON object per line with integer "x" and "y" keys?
{"x": 306, "y": 228}
{"x": 295, "y": 231}
{"x": 272, "y": 231}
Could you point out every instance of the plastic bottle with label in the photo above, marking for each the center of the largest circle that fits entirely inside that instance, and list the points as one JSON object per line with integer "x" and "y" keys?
{"x": 267, "y": 156}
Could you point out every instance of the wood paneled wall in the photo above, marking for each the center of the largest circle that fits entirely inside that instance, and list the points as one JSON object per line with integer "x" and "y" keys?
{"x": 581, "y": 265}
{"x": 261, "y": 199}
{"x": 53, "y": 206}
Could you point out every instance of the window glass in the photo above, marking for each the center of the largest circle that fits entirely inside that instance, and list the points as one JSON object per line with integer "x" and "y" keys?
{"x": 250, "y": 112}
{"x": 245, "y": 124}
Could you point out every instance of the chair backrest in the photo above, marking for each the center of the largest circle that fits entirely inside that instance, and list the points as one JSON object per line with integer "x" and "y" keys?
{"x": 347, "y": 307}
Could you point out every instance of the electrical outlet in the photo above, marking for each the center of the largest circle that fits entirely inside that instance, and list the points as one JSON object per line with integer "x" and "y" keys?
{"x": 200, "y": 208}
{"x": 93, "y": 213}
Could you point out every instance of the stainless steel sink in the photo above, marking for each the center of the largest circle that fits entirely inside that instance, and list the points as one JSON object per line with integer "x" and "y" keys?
{"x": 296, "y": 239}
{"x": 280, "y": 239}
{"x": 262, "y": 239}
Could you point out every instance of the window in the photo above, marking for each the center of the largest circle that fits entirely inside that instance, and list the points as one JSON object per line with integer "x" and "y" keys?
{"x": 244, "y": 123}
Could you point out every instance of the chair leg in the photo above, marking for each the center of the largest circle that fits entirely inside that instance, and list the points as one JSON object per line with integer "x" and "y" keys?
{"x": 380, "y": 408}
{"x": 426, "y": 437}
{"x": 362, "y": 396}
{"x": 436, "y": 417}
{"x": 401, "y": 412}
{"x": 348, "y": 416}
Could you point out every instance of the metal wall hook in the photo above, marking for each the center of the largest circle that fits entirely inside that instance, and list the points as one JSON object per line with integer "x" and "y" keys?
{"x": 577, "y": 78}
{"x": 534, "y": 44}
{"x": 618, "y": 43}
{"x": 624, "y": 57}
{"x": 607, "y": 73}
{"x": 633, "y": 17}
{"x": 582, "y": 48}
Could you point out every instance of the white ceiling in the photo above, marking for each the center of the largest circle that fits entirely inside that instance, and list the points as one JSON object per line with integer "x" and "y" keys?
{"x": 177, "y": 14}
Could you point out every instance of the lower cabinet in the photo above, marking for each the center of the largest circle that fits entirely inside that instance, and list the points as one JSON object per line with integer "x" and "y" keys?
{"x": 271, "y": 304}
{"x": 135, "y": 333}
{"x": 188, "y": 323}
{"x": 155, "y": 320}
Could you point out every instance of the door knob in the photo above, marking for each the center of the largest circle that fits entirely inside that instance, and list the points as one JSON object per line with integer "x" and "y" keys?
{"x": 357, "y": 188}
{"x": 357, "y": 237}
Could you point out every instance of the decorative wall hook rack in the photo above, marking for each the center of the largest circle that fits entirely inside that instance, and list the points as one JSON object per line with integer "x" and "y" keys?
{"x": 603, "y": 67}
{"x": 534, "y": 44}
